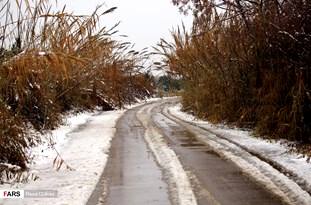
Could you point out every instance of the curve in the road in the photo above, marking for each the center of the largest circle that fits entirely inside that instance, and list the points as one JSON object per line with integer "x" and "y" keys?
{"x": 217, "y": 181}
{"x": 272, "y": 178}
{"x": 133, "y": 175}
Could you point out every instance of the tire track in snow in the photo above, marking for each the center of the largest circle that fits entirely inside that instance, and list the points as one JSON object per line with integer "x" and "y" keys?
{"x": 179, "y": 183}
{"x": 261, "y": 171}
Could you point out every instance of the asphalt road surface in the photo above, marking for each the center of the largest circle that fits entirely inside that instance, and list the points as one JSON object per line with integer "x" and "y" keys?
{"x": 133, "y": 177}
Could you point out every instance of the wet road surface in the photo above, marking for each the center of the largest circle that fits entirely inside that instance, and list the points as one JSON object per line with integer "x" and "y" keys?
{"x": 132, "y": 176}
{"x": 216, "y": 180}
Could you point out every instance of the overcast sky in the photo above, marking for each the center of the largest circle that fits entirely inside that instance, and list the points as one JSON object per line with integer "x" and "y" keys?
{"x": 144, "y": 21}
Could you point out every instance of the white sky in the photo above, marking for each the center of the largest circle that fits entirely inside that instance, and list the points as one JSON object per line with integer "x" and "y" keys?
{"x": 144, "y": 21}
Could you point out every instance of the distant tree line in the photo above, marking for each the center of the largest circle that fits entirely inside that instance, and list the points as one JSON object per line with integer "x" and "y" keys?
{"x": 166, "y": 83}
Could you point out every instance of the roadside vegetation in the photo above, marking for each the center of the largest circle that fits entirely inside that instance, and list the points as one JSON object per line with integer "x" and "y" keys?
{"x": 246, "y": 63}
{"x": 54, "y": 62}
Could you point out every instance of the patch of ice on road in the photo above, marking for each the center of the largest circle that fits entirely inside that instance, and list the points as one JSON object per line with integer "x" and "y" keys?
{"x": 179, "y": 182}
{"x": 84, "y": 148}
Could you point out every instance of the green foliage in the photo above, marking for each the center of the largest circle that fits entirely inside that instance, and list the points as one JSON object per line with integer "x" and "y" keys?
{"x": 167, "y": 83}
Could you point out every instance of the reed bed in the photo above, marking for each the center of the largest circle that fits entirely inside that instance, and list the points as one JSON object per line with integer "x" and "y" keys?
{"x": 52, "y": 62}
{"x": 246, "y": 63}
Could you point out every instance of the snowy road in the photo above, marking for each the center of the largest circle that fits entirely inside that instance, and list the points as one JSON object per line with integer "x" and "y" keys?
{"x": 132, "y": 173}
{"x": 157, "y": 158}
{"x": 157, "y": 155}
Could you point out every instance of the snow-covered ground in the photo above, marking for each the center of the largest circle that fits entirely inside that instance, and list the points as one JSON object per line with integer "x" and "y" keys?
{"x": 179, "y": 182}
{"x": 83, "y": 144}
{"x": 274, "y": 153}
{"x": 58, "y": 137}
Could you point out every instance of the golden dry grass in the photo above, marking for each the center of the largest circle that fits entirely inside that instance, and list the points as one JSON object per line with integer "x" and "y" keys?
{"x": 248, "y": 64}
{"x": 52, "y": 62}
